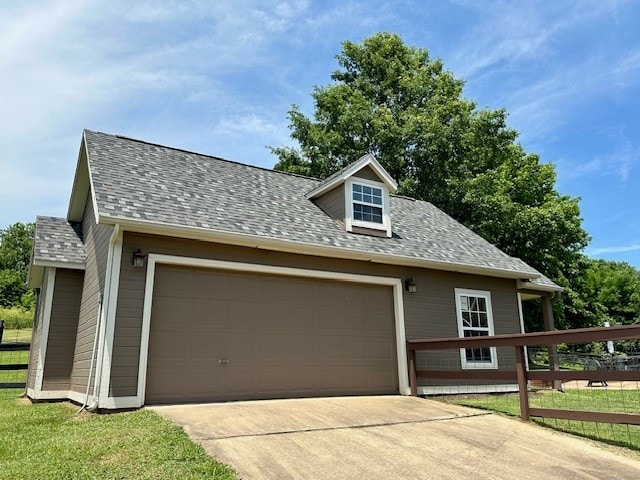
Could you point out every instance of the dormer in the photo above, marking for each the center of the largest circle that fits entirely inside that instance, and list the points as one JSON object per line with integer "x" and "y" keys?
{"x": 358, "y": 197}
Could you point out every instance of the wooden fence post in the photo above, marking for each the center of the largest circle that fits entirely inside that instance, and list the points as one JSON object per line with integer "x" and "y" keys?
{"x": 521, "y": 368}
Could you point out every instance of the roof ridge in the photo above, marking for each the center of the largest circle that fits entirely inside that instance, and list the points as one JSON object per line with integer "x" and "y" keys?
{"x": 206, "y": 155}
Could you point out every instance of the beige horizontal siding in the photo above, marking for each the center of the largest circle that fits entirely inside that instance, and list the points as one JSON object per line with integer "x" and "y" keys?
{"x": 96, "y": 240}
{"x": 429, "y": 313}
{"x": 332, "y": 203}
{"x": 63, "y": 327}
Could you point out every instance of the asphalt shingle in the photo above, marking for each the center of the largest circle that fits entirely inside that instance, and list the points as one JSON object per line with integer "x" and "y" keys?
{"x": 58, "y": 240}
{"x": 135, "y": 180}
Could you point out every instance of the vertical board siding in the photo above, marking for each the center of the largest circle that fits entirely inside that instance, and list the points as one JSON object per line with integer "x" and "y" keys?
{"x": 62, "y": 329}
{"x": 96, "y": 241}
{"x": 429, "y": 313}
{"x": 332, "y": 203}
{"x": 37, "y": 332}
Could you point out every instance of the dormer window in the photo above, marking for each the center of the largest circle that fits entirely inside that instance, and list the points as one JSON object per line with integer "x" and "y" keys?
{"x": 367, "y": 203}
{"x": 366, "y": 206}
{"x": 358, "y": 197}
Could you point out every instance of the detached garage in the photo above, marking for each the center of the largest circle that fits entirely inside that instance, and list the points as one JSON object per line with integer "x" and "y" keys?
{"x": 201, "y": 279}
{"x": 224, "y": 335}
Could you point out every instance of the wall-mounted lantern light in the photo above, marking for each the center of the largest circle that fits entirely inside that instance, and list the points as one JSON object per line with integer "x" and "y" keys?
{"x": 138, "y": 258}
{"x": 410, "y": 286}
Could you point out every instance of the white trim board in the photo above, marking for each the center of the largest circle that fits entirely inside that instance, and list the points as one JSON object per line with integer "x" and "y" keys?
{"x": 466, "y": 389}
{"x": 347, "y": 172}
{"x": 110, "y": 299}
{"x": 154, "y": 259}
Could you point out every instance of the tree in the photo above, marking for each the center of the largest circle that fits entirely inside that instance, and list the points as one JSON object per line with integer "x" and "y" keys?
{"x": 394, "y": 101}
{"x": 15, "y": 252}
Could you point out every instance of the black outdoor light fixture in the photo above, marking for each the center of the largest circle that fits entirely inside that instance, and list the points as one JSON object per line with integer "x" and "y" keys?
{"x": 410, "y": 286}
{"x": 138, "y": 258}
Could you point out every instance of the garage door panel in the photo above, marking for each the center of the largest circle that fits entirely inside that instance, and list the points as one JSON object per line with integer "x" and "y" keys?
{"x": 301, "y": 318}
{"x": 356, "y": 322}
{"x": 237, "y": 314}
{"x": 202, "y": 383}
{"x": 281, "y": 336}
{"x": 274, "y": 381}
{"x": 242, "y": 381}
{"x": 274, "y": 315}
{"x": 274, "y": 348}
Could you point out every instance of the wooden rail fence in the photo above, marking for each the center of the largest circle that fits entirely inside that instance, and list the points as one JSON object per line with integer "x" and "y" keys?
{"x": 13, "y": 347}
{"x": 522, "y": 375}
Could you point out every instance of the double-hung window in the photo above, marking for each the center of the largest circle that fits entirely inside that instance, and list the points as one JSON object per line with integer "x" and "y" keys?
{"x": 475, "y": 319}
{"x": 367, "y": 205}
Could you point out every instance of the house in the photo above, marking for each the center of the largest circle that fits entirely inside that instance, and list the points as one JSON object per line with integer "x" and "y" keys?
{"x": 181, "y": 277}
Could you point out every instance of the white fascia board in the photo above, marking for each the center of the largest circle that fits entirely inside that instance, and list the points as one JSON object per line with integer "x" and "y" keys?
{"x": 35, "y": 276}
{"x": 80, "y": 184}
{"x": 60, "y": 264}
{"x": 359, "y": 164}
{"x": 288, "y": 246}
{"x": 525, "y": 285}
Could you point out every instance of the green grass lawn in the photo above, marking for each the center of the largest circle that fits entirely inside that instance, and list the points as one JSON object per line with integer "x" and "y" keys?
{"x": 606, "y": 400}
{"x": 47, "y": 441}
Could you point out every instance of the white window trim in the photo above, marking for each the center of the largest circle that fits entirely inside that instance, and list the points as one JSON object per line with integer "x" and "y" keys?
{"x": 459, "y": 292}
{"x": 350, "y": 222}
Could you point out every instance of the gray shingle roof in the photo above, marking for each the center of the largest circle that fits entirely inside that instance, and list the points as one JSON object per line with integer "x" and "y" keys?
{"x": 138, "y": 181}
{"x": 58, "y": 240}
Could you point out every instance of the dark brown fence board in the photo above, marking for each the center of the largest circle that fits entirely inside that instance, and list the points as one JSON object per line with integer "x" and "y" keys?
{"x": 578, "y": 335}
{"x": 586, "y": 416}
{"x": 14, "y": 366}
{"x": 518, "y": 342}
{"x": 593, "y": 375}
{"x": 12, "y": 385}
{"x": 469, "y": 374}
{"x": 15, "y": 347}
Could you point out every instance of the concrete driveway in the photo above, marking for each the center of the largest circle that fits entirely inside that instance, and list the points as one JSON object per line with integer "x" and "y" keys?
{"x": 388, "y": 437}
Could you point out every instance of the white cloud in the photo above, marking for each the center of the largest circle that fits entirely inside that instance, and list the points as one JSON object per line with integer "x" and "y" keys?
{"x": 612, "y": 249}
{"x": 618, "y": 163}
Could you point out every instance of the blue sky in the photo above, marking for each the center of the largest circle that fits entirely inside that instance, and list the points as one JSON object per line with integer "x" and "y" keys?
{"x": 218, "y": 78}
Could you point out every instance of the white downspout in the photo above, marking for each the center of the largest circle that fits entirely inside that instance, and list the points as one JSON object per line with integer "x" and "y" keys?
{"x": 93, "y": 354}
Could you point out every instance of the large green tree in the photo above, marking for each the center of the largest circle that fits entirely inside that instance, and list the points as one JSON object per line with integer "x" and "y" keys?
{"x": 394, "y": 101}
{"x": 15, "y": 252}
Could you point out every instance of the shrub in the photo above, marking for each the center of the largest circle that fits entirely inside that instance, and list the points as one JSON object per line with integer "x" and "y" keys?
{"x": 16, "y": 317}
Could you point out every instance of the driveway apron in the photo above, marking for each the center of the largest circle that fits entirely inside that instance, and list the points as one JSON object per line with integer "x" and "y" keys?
{"x": 388, "y": 437}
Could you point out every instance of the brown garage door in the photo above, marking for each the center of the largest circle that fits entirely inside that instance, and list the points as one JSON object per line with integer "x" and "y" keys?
{"x": 218, "y": 335}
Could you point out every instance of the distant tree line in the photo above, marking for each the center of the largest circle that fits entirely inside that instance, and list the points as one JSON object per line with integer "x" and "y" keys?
{"x": 16, "y": 300}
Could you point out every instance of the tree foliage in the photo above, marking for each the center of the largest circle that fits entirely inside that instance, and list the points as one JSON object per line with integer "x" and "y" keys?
{"x": 394, "y": 101}
{"x": 15, "y": 253}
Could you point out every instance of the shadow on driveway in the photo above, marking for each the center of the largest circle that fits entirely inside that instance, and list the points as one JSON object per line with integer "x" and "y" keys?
{"x": 387, "y": 437}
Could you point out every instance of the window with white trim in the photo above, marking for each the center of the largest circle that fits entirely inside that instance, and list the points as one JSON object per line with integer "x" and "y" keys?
{"x": 367, "y": 205}
{"x": 475, "y": 319}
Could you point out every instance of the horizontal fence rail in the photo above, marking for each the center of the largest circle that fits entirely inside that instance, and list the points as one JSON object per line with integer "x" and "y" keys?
{"x": 13, "y": 367}
{"x": 522, "y": 375}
